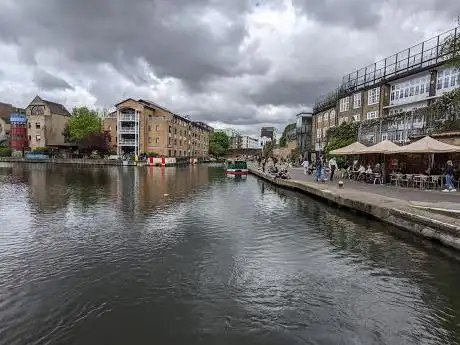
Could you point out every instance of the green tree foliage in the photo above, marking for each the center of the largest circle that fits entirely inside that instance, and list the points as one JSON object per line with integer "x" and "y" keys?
{"x": 451, "y": 47}
{"x": 5, "y": 152}
{"x": 219, "y": 143}
{"x": 82, "y": 123}
{"x": 267, "y": 150}
{"x": 341, "y": 136}
{"x": 284, "y": 137}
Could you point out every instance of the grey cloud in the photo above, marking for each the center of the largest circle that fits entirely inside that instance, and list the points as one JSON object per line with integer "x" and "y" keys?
{"x": 47, "y": 81}
{"x": 367, "y": 14}
{"x": 292, "y": 92}
{"x": 169, "y": 35}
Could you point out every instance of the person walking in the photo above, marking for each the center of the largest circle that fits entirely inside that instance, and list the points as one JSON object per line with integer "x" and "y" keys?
{"x": 305, "y": 165}
{"x": 319, "y": 169}
{"x": 332, "y": 167}
{"x": 450, "y": 178}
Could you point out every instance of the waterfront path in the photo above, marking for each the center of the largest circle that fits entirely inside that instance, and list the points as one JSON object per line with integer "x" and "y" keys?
{"x": 438, "y": 198}
{"x": 431, "y": 214}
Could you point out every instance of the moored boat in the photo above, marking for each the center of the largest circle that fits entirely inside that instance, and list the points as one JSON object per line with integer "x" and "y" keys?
{"x": 236, "y": 168}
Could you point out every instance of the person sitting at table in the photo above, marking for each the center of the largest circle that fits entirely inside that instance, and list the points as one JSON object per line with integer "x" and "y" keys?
{"x": 361, "y": 172}
{"x": 369, "y": 173}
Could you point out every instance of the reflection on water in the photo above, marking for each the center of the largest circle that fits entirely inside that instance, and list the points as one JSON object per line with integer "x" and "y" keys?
{"x": 122, "y": 255}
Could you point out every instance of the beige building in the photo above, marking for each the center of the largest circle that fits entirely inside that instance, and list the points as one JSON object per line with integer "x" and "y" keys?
{"x": 46, "y": 123}
{"x": 322, "y": 121}
{"x": 143, "y": 126}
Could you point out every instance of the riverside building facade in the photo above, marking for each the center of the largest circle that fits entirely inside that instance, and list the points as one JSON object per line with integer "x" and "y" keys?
{"x": 141, "y": 126}
{"x": 384, "y": 97}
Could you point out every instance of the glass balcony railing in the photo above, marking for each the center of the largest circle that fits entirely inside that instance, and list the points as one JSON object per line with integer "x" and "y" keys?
{"x": 128, "y": 117}
{"x": 127, "y": 130}
{"x": 127, "y": 142}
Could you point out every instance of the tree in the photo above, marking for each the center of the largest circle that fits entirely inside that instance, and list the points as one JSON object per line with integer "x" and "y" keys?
{"x": 451, "y": 48}
{"x": 219, "y": 143}
{"x": 285, "y": 136}
{"x": 341, "y": 136}
{"x": 95, "y": 142}
{"x": 267, "y": 150}
{"x": 82, "y": 123}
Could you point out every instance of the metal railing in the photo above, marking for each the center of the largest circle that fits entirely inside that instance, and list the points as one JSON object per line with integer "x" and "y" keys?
{"x": 127, "y": 130}
{"x": 127, "y": 142}
{"x": 423, "y": 56}
{"x": 128, "y": 117}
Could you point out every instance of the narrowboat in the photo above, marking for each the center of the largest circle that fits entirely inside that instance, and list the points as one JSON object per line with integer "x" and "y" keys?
{"x": 236, "y": 168}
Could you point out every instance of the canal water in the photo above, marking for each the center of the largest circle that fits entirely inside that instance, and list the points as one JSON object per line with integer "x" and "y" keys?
{"x": 123, "y": 255}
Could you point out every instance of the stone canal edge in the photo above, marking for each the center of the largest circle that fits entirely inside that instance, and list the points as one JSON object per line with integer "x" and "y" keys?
{"x": 436, "y": 227}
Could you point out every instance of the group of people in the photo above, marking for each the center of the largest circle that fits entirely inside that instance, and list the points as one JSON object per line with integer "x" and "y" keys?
{"x": 320, "y": 168}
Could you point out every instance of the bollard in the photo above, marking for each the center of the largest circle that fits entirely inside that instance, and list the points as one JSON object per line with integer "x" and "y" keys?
{"x": 340, "y": 184}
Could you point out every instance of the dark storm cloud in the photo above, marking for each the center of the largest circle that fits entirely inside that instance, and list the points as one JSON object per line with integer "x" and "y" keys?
{"x": 48, "y": 82}
{"x": 292, "y": 92}
{"x": 171, "y": 36}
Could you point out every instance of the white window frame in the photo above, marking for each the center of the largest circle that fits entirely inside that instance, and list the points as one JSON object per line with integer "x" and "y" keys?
{"x": 357, "y": 100}
{"x": 373, "y": 96}
{"x": 344, "y": 104}
{"x": 384, "y": 136}
{"x": 372, "y": 115}
{"x": 332, "y": 115}
{"x": 357, "y": 117}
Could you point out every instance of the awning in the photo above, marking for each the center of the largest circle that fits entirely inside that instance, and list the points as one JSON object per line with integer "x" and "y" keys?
{"x": 352, "y": 149}
{"x": 428, "y": 145}
{"x": 385, "y": 146}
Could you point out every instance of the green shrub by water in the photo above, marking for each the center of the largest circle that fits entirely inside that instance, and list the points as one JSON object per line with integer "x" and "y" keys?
{"x": 5, "y": 152}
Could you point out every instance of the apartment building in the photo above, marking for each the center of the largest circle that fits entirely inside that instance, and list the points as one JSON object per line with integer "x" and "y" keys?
{"x": 46, "y": 121}
{"x": 249, "y": 142}
{"x": 385, "y": 96}
{"x": 139, "y": 126}
{"x": 269, "y": 132}
{"x": 304, "y": 133}
{"x": 322, "y": 122}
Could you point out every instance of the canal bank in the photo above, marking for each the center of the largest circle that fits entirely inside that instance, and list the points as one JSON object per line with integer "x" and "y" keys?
{"x": 442, "y": 227}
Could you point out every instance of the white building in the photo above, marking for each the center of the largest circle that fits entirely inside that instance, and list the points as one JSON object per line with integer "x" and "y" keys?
{"x": 263, "y": 141}
{"x": 248, "y": 142}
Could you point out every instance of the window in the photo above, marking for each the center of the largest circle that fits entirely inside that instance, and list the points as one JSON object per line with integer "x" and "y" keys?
{"x": 344, "y": 104}
{"x": 37, "y": 125}
{"x": 357, "y": 100}
{"x": 149, "y": 128}
{"x": 373, "y": 96}
{"x": 371, "y": 115}
{"x": 320, "y": 119}
{"x": 169, "y": 129}
{"x": 29, "y": 125}
{"x": 324, "y": 132}
{"x": 169, "y": 141}
{"x": 325, "y": 117}
{"x": 449, "y": 78}
{"x": 357, "y": 117}
{"x": 37, "y": 138}
{"x": 157, "y": 128}
{"x": 332, "y": 115}
{"x": 30, "y": 138}
{"x": 157, "y": 140}
{"x": 150, "y": 140}
{"x": 384, "y": 137}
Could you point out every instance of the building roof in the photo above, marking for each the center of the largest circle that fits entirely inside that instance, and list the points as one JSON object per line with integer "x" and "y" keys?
{"x": 56, "y": 108}
{"x": 7, "y": 109}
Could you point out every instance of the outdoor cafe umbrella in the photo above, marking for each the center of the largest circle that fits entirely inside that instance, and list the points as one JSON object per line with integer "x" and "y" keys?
{"x": 428, "y": 145}
{"x": 353, "y": 149}
{"x": 386, "y": 147}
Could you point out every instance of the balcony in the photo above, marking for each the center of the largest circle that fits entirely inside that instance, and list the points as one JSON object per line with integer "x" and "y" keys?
{"x": 127, "y": 142}
{"x": 127, "y": 130}
{"x": 131, "y": 117}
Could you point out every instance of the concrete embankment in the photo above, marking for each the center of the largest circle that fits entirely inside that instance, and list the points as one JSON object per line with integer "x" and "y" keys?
{"x": 443, "y": 228}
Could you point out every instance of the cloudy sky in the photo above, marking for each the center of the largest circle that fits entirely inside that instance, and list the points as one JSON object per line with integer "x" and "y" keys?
{"x": 233, "y": 63}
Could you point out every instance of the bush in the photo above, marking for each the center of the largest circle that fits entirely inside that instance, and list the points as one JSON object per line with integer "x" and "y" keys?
{"x": 5, "y": 152}
{"x": 41, "y": 150}
{"x": 152, "y": 154}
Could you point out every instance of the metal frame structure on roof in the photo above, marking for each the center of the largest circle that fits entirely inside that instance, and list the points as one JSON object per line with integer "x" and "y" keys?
{"x": 420, "y": 57}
